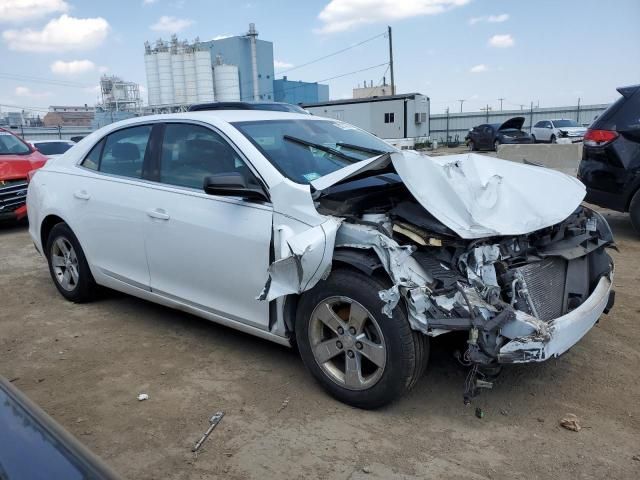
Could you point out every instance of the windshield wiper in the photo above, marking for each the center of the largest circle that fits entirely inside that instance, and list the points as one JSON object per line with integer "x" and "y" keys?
{"x": 358, "y": 148}
{"x": 332, "y": 151}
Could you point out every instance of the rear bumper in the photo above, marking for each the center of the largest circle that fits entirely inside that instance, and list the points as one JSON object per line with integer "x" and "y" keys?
{"x": 563, "y": 332}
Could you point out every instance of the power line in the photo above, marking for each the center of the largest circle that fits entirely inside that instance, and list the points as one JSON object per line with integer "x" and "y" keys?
{"x": 50, "y": 81}
{"x": 383, "y": 34}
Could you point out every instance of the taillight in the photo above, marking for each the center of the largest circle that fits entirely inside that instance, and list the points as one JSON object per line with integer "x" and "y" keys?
{"x": 598, "y": 138}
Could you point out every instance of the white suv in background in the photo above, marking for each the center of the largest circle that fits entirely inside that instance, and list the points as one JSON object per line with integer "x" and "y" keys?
{"x": 551, "y": 130}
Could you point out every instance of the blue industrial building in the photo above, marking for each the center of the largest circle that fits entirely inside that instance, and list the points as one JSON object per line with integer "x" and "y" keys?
{"x": 237, "y": 51}
{"x": 292, "y": 91}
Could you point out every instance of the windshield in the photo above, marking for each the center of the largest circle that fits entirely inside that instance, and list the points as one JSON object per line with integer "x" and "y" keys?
{"x": 565, "y": 123}
{"x": 304, "y": 150}
{"x": 53, "y": 148}
{"x": 12, "y": 145}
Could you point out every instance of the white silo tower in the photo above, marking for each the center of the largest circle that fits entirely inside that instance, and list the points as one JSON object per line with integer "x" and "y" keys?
{"x": 190, "y": 81}
{"x": 204, "y": 76}
{"x": 177, "y": 71}
{"x": 151, "y": 70}
{"x": 226, "y": 81}
{"x": 165, "y": 76}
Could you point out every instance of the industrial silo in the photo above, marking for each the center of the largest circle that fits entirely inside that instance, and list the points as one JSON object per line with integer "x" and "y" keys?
{"x": 153, "y": 81}
{"x": 177, "y": 71}
{"x": 190, "y": 82}
{"x": 204, "y": 76}
{"x": 226, "y": 82}
{"x": 166, "y": 77}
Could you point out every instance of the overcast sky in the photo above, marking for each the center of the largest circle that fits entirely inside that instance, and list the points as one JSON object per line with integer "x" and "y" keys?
{"x": 546, "y": 51}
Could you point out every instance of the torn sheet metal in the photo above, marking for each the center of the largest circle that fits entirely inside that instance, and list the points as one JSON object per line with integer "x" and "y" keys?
{"x": 475, "y": 195}
{"x": 304, "y": 259}
{"x": 479, "y": 196}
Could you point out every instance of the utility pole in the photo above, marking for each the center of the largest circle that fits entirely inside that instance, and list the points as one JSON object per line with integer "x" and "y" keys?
{"x": 531, "y": 117}
{"x": 500, "y": 100}
{"x": 447, "y": 136}
{"x": 578, "y": 112}
{"x": 393, "y": 82}
{"x": 461, "y": 102}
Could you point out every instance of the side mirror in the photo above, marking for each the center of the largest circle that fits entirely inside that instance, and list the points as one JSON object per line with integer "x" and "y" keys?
{"x": 232, "y": 184}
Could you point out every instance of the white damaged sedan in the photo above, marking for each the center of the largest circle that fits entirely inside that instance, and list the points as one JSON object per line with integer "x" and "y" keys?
{"x": 312, "y": 232}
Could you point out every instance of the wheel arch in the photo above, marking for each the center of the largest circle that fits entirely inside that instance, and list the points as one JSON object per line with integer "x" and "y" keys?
{"x": 46, "y": 226}
{"x": 344, "y": 258}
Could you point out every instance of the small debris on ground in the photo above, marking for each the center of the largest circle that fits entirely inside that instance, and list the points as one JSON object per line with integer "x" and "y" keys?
{"x": 570, "y": 422}
{"x": 540, "y": 419}
{"x": 479, "y": 412}
{"x": 284, "y": 405}
{"x": 504, "y": 412}
{"x": 143, "y": 396}
{"x": 366, "y": 470}
{"x": 636, "y": 458}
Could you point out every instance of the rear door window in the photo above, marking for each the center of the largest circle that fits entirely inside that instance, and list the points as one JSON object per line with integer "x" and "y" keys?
{"x": 124, "y": 152}
{"x": 92, "y": 160}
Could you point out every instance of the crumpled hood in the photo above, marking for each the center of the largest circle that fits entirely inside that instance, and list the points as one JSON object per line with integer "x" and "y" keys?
{"x": 573, "y": 129}
{"x": 475, "y": 195}
{"x": 18, "y": 166}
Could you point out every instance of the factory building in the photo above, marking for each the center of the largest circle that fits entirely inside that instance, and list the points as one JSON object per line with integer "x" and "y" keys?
{"x": 400, "y": 119}
{"x": 234, "y": 68}
{"x": 254, "y": 60}
{"x": 296, "y": 92}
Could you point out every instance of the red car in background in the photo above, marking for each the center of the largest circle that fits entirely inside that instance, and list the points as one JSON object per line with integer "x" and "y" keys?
{"x": 17, "y": 159}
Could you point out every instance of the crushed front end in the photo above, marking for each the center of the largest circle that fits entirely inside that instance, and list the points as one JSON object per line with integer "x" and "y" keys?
{"x": 522, "y": 298}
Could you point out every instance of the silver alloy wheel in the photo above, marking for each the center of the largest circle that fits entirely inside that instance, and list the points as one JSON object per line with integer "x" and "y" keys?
{"x": 347, "y": 343}
{"x": 65, "y": 263}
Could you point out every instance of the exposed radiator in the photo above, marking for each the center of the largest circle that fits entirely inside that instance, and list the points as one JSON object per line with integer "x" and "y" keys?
{"x": 545, "y": 283}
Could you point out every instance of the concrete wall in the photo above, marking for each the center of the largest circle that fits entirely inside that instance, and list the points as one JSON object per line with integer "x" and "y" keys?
{"x": 564, "y": 158}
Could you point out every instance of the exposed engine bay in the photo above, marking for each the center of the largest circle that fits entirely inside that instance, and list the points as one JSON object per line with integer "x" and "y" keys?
{"x": 501, "y": 289}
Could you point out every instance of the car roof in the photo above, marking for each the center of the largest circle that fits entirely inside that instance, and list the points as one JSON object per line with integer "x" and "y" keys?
{"x": 229, "y": 116}
{"x": 50, "y": 141}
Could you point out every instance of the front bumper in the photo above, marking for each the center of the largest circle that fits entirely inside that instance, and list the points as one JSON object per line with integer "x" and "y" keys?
{"x": 563, "y": 332}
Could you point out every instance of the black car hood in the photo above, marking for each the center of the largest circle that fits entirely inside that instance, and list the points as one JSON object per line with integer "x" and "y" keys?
{"x": 515, "y": 123}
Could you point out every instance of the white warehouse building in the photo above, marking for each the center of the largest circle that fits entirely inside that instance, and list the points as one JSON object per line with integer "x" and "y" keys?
{"x": 400, "y": 119}
{"x": 179, "y": 74}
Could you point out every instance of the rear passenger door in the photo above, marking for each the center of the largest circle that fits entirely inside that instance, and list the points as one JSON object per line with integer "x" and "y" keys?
{"x": 210, "y": 252}
{"x": 110, "y": 204}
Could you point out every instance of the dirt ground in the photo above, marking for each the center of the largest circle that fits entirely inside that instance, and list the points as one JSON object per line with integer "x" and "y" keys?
{"x": 85, "y": 365}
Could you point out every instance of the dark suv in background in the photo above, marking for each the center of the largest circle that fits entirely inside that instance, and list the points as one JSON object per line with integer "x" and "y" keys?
{"x": 610, "y": 166}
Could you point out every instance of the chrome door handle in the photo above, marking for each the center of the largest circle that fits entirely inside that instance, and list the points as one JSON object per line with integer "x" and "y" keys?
{"x": 158, "y": 213}
{"x": 82, "y": 195}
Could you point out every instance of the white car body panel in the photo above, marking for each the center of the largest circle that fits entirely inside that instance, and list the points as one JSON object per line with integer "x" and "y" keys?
{"x": 221, "y": 257}
{"x": 543, "y": 134}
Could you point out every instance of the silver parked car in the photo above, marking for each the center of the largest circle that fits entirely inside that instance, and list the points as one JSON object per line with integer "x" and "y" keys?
{"x": 310, "y": 231}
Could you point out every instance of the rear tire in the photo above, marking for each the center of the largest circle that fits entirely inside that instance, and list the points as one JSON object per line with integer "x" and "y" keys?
{"x": 337, "y": 305}
{"x": 68, "y": 266}
{"x": 634, "y": 211}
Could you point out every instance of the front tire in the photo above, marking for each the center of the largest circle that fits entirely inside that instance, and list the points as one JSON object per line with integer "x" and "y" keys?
{"x": 472, "y": 146}
{"x": 358, "y": 354}
{"x": 68, "y": 265}
{"x": 552, "y": 139}
{"x": 496, "y": 144}
{"x": 634, "y": 211}
{"x": 533, "y": 139}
